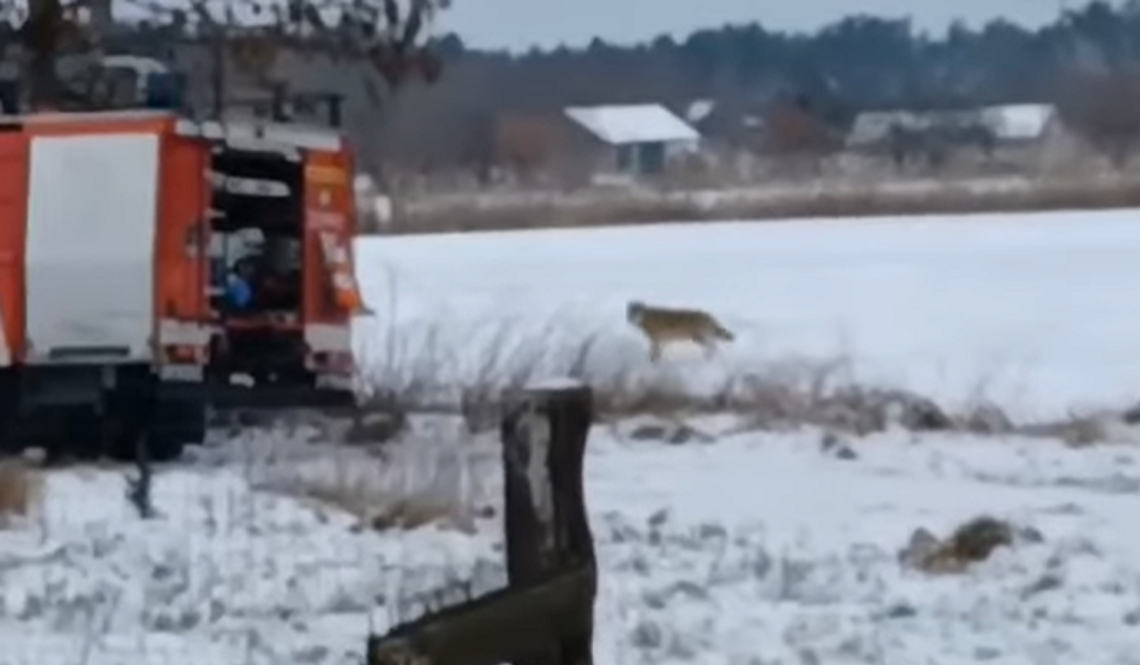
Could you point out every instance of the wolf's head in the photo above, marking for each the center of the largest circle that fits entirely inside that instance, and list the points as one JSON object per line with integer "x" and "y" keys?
{"x": 634, "y": 311}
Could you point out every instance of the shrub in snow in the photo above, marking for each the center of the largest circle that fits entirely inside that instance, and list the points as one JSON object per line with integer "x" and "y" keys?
{"x": 20, "y": 488}
{"x": 666, "y": 431}
{"x": 988, "y": 419}
{"x": 974, "y": 541}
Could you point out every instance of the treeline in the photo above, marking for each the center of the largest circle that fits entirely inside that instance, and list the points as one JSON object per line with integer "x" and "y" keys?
{"x": 1087, "y": 61}
{"x": 862, "y": 59}
{"x": 858, "y": 62}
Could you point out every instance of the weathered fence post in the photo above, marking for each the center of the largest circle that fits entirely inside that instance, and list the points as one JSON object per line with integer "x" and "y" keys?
{"x": 545, "y": 616}
{"x": 544, "y": 433}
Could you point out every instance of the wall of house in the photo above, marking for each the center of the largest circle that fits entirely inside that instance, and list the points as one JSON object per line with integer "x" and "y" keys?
{"x": 642, "y": 158}
{"x": 550, "y": 148}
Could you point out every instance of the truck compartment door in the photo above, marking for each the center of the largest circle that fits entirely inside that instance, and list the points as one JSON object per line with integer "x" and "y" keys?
{"x": 92, "y": 205}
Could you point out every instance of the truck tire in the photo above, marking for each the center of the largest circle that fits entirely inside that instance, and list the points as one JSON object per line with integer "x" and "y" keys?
{"x": 11, "y": 434}
{"x": 170, "y": 424}
{"x": 177, "y": 422}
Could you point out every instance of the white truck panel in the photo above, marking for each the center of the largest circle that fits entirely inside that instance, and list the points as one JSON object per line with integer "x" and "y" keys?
{"x": 92, "y": 210}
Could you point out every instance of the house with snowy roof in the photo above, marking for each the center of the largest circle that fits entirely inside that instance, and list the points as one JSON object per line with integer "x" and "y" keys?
{"x": 634, "y": 139}
{"x": 1010, "y": 132}
{"x": 1008, "y": 124}
{"x": 591, "y": 143}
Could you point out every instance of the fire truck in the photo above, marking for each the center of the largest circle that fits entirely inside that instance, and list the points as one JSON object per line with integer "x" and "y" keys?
{"x": 124, "y": 235}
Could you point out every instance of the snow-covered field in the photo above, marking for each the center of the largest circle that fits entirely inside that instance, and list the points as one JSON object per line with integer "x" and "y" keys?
{"x": 751, "y": 549}
{"x": 757, "y": 548}
{"x": 1033, "y": 311}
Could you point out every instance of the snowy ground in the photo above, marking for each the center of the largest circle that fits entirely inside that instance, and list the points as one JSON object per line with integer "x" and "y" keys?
{"x": 754, "y": 549}
{"x": 1031, "y": 310}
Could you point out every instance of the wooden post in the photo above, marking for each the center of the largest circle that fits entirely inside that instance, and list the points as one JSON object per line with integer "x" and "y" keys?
{"x": 544, "y": 433}
{"x": 545, "y": 616}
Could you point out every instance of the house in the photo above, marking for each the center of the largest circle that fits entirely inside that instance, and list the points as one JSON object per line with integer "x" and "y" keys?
{"x": 1025, "y": 128}
{"x": 698, "y": 110}
{"x": 636, "y": 139}
{"x": 728, "y": 124}
{"x": 582, "y": 144}
{"x": 1013, "y": 131}
{"x": 876, "y": 129}
{"x": 530, "y": 144}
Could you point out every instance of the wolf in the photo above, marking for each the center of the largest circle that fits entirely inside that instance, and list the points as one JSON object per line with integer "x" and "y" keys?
{"x": 663, "y": 325}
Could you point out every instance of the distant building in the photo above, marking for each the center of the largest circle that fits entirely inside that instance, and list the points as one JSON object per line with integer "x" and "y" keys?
{"x": 698, "y": 110}
{"x": 638, "y": 139}
{"x": 581, "y": 144}
{"x": 1008, "y": 124}
{"x": 733, "y": 124}
{"x": 1014, "y": 131}
{"x": 1020, "y": 123}
{"x": 875, "y": 129}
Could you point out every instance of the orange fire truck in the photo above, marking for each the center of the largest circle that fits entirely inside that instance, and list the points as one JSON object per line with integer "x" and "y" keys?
{"x": 122, "y": 234}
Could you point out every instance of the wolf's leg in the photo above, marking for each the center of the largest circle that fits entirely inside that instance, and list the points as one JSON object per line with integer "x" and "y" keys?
{"x": 706, "y": 343}
{"x": 710, "y": 348}
{"x": 654, "y": 351}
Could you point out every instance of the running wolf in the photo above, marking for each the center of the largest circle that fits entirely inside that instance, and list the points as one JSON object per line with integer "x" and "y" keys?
{"x": 663, "y": 326}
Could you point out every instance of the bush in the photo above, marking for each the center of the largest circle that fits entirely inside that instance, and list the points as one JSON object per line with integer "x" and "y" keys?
{"x": 20, "y": 489}
{"x": 822, "y": 393}
{"x": 821, "y": 199}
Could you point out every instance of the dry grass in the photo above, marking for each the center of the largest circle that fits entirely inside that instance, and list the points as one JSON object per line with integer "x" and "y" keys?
{"x": 434, "y": 478}
{"x": 427, "y": 475}
{"x": 20, "y": 491}
{"x": 837, "y": 200}
{"x": 824, "y": 393}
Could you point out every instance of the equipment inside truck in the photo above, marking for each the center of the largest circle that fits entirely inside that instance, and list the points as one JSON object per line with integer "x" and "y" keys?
{"x": 255, "y": 276}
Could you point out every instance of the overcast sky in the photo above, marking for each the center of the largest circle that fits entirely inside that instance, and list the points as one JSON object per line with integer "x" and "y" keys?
{"x": 517, "y": 24}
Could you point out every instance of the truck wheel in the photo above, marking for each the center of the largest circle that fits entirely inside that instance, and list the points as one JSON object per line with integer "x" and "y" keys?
{"x": 163, "y": 447}
{"x": 83, "y": 436}
{"x": 178, "y": 422}
{"x": 172, "y": 425}
{"x": 11, "y": 439}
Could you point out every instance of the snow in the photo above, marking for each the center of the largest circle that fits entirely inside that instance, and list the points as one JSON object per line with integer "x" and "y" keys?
{"x": 741, "y": 548}
{"x": 555, "y": 384}
{"x": 634, "y": 123}
{"x": 779, "y": 554}
{"x": 699, "y": 109}
{"x": 755, "y": 548}
{"x": 229, "y": 572}
{"x": 1029, "y": 311}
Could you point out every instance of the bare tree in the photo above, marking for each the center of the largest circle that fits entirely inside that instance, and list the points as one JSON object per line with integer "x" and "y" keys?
{"x": 797, "y": 133}
{"x": 252, "y": 35}
{"x": 1101, "y": 107}
{"x": 45, "y": 31}
{"x": 248, "y": 35}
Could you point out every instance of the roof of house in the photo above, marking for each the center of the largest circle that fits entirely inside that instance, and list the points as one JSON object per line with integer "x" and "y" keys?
{"x": 635, "y": 123}
{"x": 699, "y": 109}
{"x": 873, "y": 126}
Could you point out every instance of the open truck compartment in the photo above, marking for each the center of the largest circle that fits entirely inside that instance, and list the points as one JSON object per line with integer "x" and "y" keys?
{"x": 260, "y": 355}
